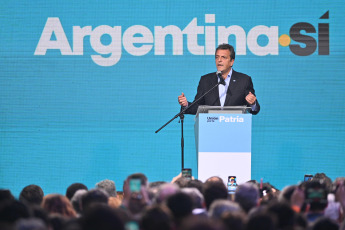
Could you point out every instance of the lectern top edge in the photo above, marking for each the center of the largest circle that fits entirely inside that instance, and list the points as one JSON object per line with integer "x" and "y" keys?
{"x": 223, "y": 109}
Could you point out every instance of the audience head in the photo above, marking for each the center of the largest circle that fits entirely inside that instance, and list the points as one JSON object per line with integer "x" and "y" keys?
{"x": 94, "y": 196}
{"x": 196, "y": 184}
{"x": 201, "y": 223}
{"x": 219, "y": 207}
{"x": 323, "y": 179}
{"x": 154, "y": 188}
{"x": 76, "y": 200}
{"x": 30, "y": 224}
{"x": 316, "y": 195}
{"x": 285, "y": 216}
{"x": 31, "y": 195}
{"x": 5, "y": 195}
{"x": 182, "y": 182}
{"x": 108, "y": 186}
{"x": 102, "y": 217}
{"x": 234, "y": 220}
{"x": 157, "y": 217}
{"x": 13, "y": 210}
{"x": 165, "y": 191}
{"x": 286, "y": 193}
{"x": 73, "y": 188}
{"x": 261, "y": 221}
{"x": 325, "y": 223}
{"x": 213, "y": 190}
{"x": 58, "y": 204}
{"x": 181, "y": 205}
{"x": 197, "y": 197}
{"x": 215, "y": 179}
{"x": 247, "y": 196}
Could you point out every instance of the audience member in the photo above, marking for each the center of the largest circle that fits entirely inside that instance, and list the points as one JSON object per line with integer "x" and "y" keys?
{"x": 108, "y": 186}
{"x": 201, "y": 223}
{"x": 215, "y": 179}
{"x": 284, "y": 214}
{"x": 102, "y": 217}
{"x": 316, "y": 199}
{"x": 213, "y": 190}
{"x": 58, "y": 204}
{"x": 93, "y": 196}
{"x": 196, "y": 184}
{"x": 198, "y": 200}
{"x": 325, "y": 223}
{"x": 13, "y": 210}
{"x": 31, "y": 195}
{"x": 5, "y": 195}
{"x": 73, "y": 188}
{"x": 164, "y": 191}
{"x": 136, "y": 198}
{"x": 233, "y": 220}
{"x": 76, "y": 200}
{"x": 247, "y": 196}
{"x": 30, "y": 224}
{"x": 286, "y": 193}
{"x": 219, "y": 207}
{"x": 156, "y": 217}
{"x": 153, "y": 188}
{"x": 181, "y": 206}
{"x": 261, "y": 221}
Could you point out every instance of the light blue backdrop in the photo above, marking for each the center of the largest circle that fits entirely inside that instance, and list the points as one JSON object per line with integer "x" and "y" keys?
{"x": 65, "y": 119}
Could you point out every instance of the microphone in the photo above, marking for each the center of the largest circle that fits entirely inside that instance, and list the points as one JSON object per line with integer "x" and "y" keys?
{"x": 219, "y": 75}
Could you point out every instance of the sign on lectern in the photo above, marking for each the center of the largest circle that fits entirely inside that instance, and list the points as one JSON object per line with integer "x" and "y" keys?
{"x": 223, "y": 142}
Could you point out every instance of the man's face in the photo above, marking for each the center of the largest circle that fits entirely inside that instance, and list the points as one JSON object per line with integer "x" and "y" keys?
{"x": 223, "y": 61}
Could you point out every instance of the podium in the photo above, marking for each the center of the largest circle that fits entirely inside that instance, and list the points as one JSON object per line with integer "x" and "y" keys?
{"x": 223, "y": 142}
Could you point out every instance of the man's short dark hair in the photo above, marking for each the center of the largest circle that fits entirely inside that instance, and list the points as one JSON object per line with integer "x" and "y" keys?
{"x": 5, "y": 195}
{"x": 225, "y": 46}
{"x": 32, "y": 195}
{"x": 101, "y": 216}
{"x": 13, "y": 210}
{"x": 285, "y": 215}
{"x": 325, "y": 223}
{"x": 94, "y": 196}
{"x": 198, "y": 184}
{"x": 156, "y": 218}
{"x": 73, "y": 188}
{"x": 247, "y": 195}
{"x": 214, "y": 190}
{"x": 180, "y": 204}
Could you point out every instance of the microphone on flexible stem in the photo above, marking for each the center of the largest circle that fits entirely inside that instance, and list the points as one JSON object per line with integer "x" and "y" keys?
{"x": 219, "y": 75}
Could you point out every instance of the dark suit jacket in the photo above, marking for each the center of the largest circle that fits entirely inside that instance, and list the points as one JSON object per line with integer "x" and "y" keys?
{"x": 240, "y": 86}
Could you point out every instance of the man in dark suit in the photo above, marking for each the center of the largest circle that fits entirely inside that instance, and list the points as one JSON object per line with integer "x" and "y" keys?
{"x": 238, "y": 89}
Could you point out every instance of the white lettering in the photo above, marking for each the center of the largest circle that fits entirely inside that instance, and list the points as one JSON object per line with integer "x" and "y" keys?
{"x": 272, "y": 35}
{"x": 231, "y": 119}
{"x": 129, "y": 39}
{"x": 138, "y": 40}
{"x": 78, "y": 38}
{"x": 177, "y": 36}
{"x": 53, "y": 25}
{"x": 238, "y": 32}
{"x": 114, "y": 48}
{"x": 192, "y": 30}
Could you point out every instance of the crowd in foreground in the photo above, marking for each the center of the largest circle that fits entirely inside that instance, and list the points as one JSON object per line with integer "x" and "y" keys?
{"x": 183, "y": 204}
